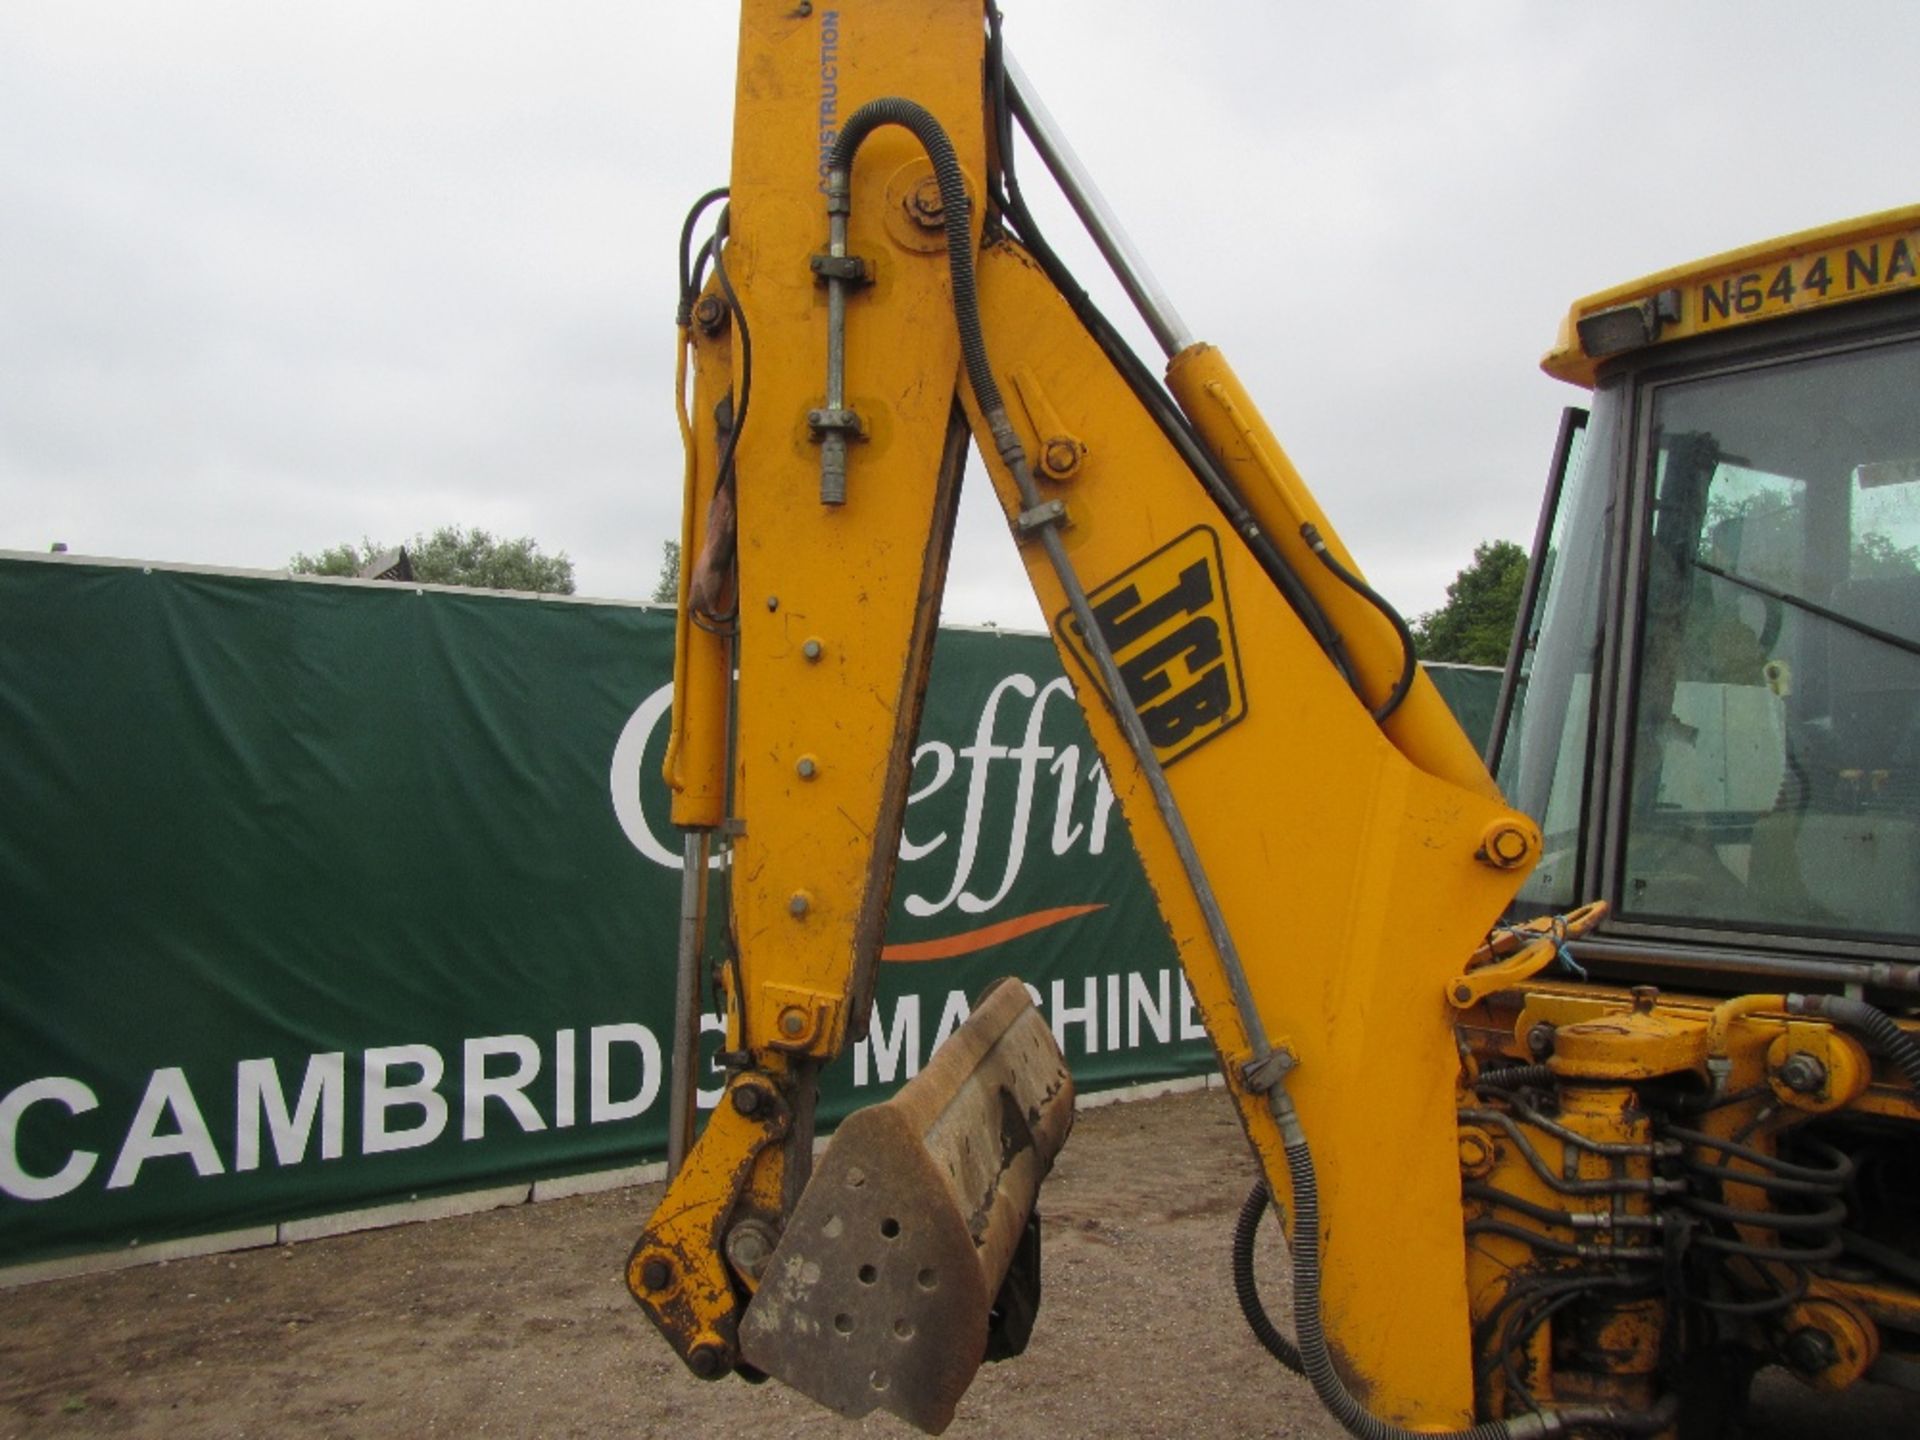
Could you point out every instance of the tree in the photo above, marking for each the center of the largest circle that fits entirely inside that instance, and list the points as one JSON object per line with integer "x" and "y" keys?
{"x": 335, "y": 559}
{"x": 1879, "y": 556}
{"x": 1475, "y": 626}
{"x": 666, "y": 590}
{"x": 453, "y": 556}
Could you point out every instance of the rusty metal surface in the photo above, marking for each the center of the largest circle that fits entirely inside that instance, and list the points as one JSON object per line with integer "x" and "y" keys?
{"x": 677, "y": 1270}
{"x": 877, "y": 1297}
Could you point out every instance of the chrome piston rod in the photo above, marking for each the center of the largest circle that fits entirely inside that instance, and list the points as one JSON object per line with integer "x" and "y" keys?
{"x": 1169, "y": 330}
{"x": 686, "y": 999}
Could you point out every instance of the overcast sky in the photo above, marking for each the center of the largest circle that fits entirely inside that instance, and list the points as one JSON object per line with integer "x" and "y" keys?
{"x": 274, "y": 277}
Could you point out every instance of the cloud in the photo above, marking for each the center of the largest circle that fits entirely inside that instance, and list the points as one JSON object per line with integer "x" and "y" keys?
{"x": 272, "y": 279}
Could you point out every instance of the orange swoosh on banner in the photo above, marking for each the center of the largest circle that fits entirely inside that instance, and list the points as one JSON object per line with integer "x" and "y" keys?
{"x": 969, "y": 941}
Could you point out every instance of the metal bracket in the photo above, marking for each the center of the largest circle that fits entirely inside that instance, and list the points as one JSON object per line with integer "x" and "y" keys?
{"x": 1262, "y": 1075}
{"x": 1050, "y": 512}
{"x": 806, "y": 1019}
{"x": 853, "y": 268}
{"x": 824, "y": 422}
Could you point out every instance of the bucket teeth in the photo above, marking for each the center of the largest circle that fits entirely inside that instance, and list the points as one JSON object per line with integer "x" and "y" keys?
{"x": 879, "y": 1292}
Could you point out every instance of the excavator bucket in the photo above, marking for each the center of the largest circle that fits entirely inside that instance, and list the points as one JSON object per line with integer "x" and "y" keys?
{"x": 880, "y": 1292}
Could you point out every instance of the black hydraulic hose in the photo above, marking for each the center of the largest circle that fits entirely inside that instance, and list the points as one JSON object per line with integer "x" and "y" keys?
{"x": 1603, "y": 1221}
{"x": 737, "y": 416}
{"x": 956, "y": 210}
{"x": 689, "y": 276}
{"x": 1786, "y": 1222}
{"x": 1867, "y": 1020}
{"x": 1310, "y": 533}
{"x": 720, "y": 234}
{"x": 1833, "y": 1175}
{"x": 1893, "y": 1261}
{"x": 1620, "y": 1149}
{"x": 1611, "y": 1185}
{"x": 1246, "y": 1289}
{"x": 1772, "y": 1184}
{"x": 701, "y": 259}
{"x": 1829, "y": 1249}
{"x": 1784, "y": 1299}
{"x": 1572, "y": 1249}
{"x": 1701, "y": 1104}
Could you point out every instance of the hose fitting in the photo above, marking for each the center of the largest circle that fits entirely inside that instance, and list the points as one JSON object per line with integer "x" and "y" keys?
{"x": 1878, "y": 1028}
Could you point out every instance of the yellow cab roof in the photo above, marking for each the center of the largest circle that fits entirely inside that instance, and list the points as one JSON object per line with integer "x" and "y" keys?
{"x": 1850, "y": 260}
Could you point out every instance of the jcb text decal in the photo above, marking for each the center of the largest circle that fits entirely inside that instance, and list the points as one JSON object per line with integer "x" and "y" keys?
{"x": 1167, "y": 623}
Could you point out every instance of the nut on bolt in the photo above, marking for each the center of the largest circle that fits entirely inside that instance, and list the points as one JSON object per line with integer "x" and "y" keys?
{"x": 926, "y": 206}
{"x": 1060, "y": 457}
{"x": 1504, "y": 846}
{"x": 710, "y": 314}
{"x": 656, "y": 1273}
{"x": 1810, "y": 1350}
{"x": 1476, "y": 1153}
{"x": 1803, "y": 1074}
{"x": 746, "y": 1099}
{"x": 750, "y": 1245}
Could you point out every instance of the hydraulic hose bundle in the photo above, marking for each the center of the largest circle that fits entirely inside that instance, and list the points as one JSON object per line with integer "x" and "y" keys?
{"x": 1805, "y": 1210}
{"x": 1674, "y": 1217}
{"x": 1312, "y": 1357}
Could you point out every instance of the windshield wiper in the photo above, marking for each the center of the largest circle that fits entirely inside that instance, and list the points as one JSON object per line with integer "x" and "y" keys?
{"x": 1859, "y": 627}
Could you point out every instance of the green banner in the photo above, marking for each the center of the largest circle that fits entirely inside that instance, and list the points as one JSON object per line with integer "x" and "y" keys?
{"x": 1471, "y": 692}
{"x": 320, "y": 896}
{"x": 324, "y": 895}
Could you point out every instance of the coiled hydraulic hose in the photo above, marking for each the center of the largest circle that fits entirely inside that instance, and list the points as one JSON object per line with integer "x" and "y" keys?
{"x": 1805, "y": 1236}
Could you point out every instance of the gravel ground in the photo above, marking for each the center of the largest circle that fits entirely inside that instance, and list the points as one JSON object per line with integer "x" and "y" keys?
{"x": 516, "y": 1323}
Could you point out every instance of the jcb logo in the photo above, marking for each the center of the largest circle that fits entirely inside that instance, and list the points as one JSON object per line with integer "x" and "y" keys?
{"x": 1167, "y": 623}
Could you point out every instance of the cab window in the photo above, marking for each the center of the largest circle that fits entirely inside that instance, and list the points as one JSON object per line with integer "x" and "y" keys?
{"x": 1773, "y": 777}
